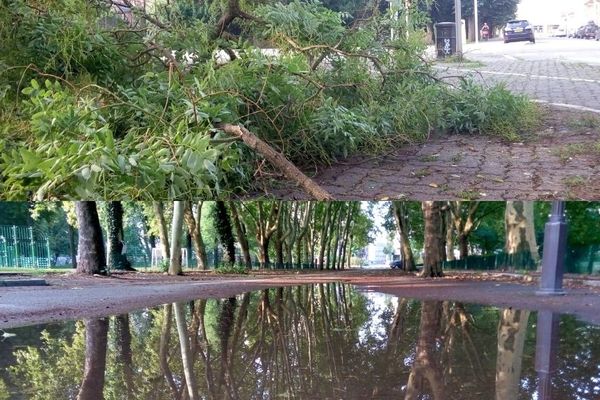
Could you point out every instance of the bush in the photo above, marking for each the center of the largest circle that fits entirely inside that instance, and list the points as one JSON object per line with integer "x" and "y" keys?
{"x": 492, "y": 111}
{"x": 231, "y": 269}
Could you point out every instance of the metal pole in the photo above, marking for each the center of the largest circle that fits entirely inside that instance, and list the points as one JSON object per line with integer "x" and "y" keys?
{"x": 476, "y": 11}
{"x": 458, "y": 21}
{"x": 555, "y": 246}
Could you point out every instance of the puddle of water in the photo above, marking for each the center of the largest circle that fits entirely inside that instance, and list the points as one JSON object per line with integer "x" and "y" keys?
{"x": 325, "y": 341}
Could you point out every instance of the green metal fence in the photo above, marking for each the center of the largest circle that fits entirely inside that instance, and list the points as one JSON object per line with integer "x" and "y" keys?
{"x": 520, "y": 261}
{"x": 23, "y": 247}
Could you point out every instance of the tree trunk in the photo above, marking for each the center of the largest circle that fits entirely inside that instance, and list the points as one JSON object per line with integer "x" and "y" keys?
{"x": 159, "y": 212}
{"x": 96, "y": 334}
{"x": 434, "y": 244}
{"x": 241, "y": 235}
{"x": 323, "y": 238}
{"x": 117, "y": 259}
{"x": 223, "y": 226}
{"x": 449, "y": 236}
{"x": 91, "y": 258}
{"x": 512, "y": 331}
{"x": 195, "y": 231}
{"x": 72, "y": 246}
{"x": 520, "y": 233}
{"x": 401, "y": 217}
{"x": 176, "y": 228}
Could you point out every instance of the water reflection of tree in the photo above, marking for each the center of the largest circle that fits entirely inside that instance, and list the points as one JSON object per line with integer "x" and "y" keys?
{"x": 92, "y": 386}
{"x": 316, "y": 341}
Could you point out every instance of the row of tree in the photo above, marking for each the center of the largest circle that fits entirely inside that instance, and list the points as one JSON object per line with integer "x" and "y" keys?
{"x": 320, "y": 235}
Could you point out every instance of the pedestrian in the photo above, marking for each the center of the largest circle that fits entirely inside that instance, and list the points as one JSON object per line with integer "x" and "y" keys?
{"x": 485, "y": 31}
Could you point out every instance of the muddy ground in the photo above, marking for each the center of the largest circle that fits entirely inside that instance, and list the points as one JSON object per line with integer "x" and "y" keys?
{"x": 76, "y": 297}
{"x": 559, "y": 160}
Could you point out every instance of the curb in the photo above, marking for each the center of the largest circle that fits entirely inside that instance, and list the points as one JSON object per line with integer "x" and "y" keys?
{"x": 22, "y": 282}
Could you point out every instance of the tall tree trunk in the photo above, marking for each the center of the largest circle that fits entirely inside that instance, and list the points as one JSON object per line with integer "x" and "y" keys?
{"x": 401, "y": 218}
{"x": 117, "y": 259}
{"x": 176, "y": 228}
{"x": 195, "y": 231}
{"x": 434, "y": 244}
{"x": 91, "y": 258}
{"x": 449, "y": 236}
{"x": 72, "y": 246}
{"x": 512, "y": 331}
{"x": 163, "y": 230}
{"x": 223, "y": 226}
{"x": 186, "y": 355}
{"x": 96, "y": 334}
{"x": 125, "y": 358}
{"x": 520, "y": 233}
{"x": 323, "y": 237}
{"x": 241, "y": 235}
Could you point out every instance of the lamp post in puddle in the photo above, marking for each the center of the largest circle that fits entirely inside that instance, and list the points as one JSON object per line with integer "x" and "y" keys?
{"x": 555, "y": 246}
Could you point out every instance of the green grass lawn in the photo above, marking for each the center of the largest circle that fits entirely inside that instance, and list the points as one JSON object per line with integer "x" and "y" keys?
{"x": 34, "y": 271}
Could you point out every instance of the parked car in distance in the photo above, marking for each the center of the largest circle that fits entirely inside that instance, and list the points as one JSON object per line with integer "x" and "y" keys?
{"x": 590, "y": 30}
{"x": 396, "y": 264}
{"x": 518, "y": 30}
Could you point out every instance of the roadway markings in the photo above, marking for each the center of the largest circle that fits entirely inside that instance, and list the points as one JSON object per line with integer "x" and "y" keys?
{"x": 570, "y": 106}
{"x": 557, "y": 78}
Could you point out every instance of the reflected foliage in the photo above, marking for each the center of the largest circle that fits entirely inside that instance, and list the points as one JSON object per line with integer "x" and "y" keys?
{"x": 317, "y": 341}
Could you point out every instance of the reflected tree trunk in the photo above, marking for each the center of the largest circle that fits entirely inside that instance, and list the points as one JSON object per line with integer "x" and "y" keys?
{"x": 91, "y": 258}
{"x": 186, "y": 354}
{"x": 226, "y": 321}
{"x": 512, "y": 330}
{"x": 124, "y": 352}
{"x": 426, "y": 366}
{"x": 96, "y": 336}
{"x": 165, "y": 334}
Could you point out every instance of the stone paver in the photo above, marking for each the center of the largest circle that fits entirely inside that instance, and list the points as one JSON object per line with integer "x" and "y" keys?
{"x": 473, "y": 167}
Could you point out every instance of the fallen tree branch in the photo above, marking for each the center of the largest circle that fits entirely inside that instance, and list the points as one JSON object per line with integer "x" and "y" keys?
{"x": 278, "y": 160}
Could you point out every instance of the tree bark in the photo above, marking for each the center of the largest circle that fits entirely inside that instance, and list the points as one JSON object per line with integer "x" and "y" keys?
{"x": 278, "y": 160}
{"x": 116, "y": 236}
{"x": 241, "y": 235}
{"x": 176, "y": 228}
{"x": 520, "y": 231}
{"x": 223, "y": 226}
{"x": 434, "y": 243}
{"x": 195, "y": 231}
{"x": 159, "y": 212}
{"x": 91, "y": 258}
{"x": 401, "y": 219}
{"x": 96, "y": 334}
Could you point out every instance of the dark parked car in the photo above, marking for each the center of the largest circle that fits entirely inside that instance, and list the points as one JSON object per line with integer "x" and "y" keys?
{"x": 590, "y": 31}
{"x": 519, "y": 30}
{"x": 396, "y": 264}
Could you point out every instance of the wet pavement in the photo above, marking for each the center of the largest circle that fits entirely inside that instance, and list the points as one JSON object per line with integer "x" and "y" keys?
{"x": 326, "y": 341}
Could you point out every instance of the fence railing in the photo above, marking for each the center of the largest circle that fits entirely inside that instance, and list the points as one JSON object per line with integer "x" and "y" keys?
{"x": 23, "y": 247}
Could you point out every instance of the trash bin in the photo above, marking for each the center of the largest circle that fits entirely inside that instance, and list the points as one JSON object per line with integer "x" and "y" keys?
{"x": 445, "y": 39}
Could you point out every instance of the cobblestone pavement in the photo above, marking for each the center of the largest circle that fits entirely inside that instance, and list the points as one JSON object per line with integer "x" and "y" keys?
{"x": 562, "y": 161}
{"x": 544, "y": 71}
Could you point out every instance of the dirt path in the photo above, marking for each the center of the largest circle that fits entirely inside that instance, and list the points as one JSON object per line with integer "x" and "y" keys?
{"x": 560, "y": 161}
{"x": 72, "y": 297}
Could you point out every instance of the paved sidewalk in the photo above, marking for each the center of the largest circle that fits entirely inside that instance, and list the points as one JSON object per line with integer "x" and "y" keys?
{"x": 560, "y": 162}
{"x": 547, "y": 80}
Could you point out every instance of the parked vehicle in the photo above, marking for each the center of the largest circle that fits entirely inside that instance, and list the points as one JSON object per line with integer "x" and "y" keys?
{"x": 590, "y": 30}
{"x": 396, "y": 264}
{"x": 519, "y": 30}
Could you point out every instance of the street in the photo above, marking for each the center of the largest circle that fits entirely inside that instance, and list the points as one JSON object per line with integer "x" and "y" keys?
{"x": 559, "y": 71}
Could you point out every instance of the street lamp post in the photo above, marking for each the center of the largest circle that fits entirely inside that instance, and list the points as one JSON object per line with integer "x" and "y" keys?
{"x": 458, "y": 21}
{"x": 555, "y": 245}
